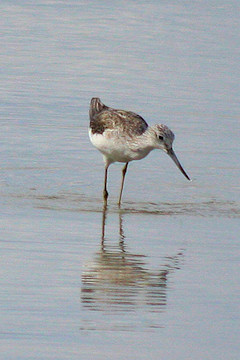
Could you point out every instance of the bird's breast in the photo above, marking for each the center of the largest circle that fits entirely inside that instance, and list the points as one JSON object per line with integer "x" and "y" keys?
{"x": 118, "y": 148}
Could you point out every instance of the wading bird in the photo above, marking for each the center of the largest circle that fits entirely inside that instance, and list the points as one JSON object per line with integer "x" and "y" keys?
{"x": 123, "y": 136}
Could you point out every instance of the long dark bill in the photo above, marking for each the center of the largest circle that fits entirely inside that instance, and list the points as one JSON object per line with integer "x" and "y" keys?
{"x": 173, "y": 156}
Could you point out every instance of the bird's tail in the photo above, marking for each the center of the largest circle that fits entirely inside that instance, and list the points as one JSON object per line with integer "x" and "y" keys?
{"x": 96, "y": 106}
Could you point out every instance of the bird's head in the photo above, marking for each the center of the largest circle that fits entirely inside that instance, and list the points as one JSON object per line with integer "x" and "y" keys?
{"x": 163, "y": 139}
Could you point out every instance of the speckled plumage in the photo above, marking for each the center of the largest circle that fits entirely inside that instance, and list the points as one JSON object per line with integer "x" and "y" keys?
{"x": 103, "y": 117}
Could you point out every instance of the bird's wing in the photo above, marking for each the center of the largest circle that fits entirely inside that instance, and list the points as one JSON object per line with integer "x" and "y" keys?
{"x": 104, "y": 118}
{"x": 130, "y": 122}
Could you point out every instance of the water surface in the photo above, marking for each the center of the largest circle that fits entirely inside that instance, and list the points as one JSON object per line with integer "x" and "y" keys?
{"x": 159, "y": 277}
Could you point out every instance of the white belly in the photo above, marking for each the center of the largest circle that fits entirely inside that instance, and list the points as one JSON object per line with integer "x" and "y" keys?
{"x": 115, "y": 149}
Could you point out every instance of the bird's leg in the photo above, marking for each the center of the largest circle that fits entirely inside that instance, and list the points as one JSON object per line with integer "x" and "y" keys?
{"x": 124, "y": 170}
{"x": 105, "y": 193}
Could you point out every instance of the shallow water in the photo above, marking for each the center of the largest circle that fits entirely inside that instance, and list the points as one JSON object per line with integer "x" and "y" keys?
{"x": 159, "y": 277}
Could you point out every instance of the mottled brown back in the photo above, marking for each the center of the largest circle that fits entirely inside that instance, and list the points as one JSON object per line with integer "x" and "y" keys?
{"x": 103, "y": 117}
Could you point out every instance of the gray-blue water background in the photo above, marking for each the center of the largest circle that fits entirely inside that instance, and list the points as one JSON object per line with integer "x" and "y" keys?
{"x": 159, "y": 278}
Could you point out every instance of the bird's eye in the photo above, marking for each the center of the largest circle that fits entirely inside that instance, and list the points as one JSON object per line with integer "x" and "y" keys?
{"x": 160, "y": 137}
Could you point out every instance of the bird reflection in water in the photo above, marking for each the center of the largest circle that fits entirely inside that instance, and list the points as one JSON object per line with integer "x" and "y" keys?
{"x": 119, "y": 281}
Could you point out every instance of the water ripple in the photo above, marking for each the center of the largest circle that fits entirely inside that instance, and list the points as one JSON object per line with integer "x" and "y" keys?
{"x": 75, "y": 202}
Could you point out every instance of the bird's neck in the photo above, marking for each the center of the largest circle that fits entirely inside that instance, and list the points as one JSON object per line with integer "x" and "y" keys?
{"x": 144, "y": 142}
